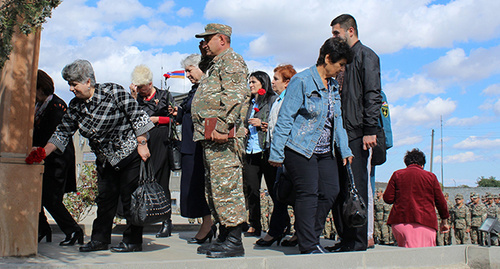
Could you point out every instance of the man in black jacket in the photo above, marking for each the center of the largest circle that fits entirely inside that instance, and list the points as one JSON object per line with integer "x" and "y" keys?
{"x": 361, "y": 102}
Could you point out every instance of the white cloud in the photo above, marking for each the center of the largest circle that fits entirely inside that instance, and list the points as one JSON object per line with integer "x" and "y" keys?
{"x": 424, "y": 112}
{"x": 457, "y": 66}
{"x": 166, "y": 7}
{"x": 474, "y": 142}
{"x": 496, "y": 107}
{"x": 415, "y": 85}
{"x": 475, "y": 120}
{"x": 492, "y": 90}
{"x": 407, "y": 140}
{"x": 158, "y": 33}
{"x": 386, "y": 26}
{"x": 462, "y": 157}
{"x": 185, "y": 12}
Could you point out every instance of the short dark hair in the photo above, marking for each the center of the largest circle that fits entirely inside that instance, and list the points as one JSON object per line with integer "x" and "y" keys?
{"x": 337, "y": 48}
{"x": 44, "y": 82}
{"x": 264, "y": 79}
{"x": 415, "y": 156}
{"x": 346, "y": 21}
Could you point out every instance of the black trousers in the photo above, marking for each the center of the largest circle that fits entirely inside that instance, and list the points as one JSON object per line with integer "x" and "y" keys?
{"x": 280, "y": 219}
{"x": 316, "y": 184}
{"x": 53, "y": 186}
{"x": 354, "y": 238}
{"x": 114, "y": 182}
{"x": 254, "y": 167}
{"x": 193, "y": 202}
{"x": 158, "y": 145}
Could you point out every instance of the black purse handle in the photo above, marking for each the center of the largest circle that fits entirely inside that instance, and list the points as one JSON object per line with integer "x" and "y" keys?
{"x": 350, "y": 175}
{"x": 146, "y": 172}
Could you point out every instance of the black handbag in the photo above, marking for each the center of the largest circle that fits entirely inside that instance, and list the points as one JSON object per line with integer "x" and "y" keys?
{"x": 149, "y": 204}
{"x": 354, "y": 209}
{"x": 283, "y": 188}
{"x": 174, "y": 148}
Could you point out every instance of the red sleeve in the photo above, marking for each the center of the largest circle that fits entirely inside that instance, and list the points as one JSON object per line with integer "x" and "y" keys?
{"x": 439, "y": 200}
{"x": 163, "y": 120}
{"x": 390, "y": 191}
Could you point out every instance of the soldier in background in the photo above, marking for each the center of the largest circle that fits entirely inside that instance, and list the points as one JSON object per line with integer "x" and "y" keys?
{"x": 382, "y": 232}
{"x": 447, "y": 236}
{"x": 492, "y": 211}
{"x": 460, "y": 220}
{"x": 478, "y": 215}
{"x": 497, "y": 199}
{"x": 330, "y": 232}
{"x": 266, "y": 207}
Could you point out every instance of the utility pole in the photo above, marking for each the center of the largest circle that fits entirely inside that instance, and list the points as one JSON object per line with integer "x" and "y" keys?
{"x": 432, "y": 149}
{"x": 442, "y": 177}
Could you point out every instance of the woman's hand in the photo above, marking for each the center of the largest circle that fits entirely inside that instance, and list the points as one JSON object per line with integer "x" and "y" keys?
{"x": 173, "y": 110}
{"x": 264, "y": 126}
{"x": 348, "y": 159}
{"x": 143, "y": 151}
{"x": 275, "y": 164}
{"x": 444, "y": 227}
{"x": 155, "y": 119}
{"x": 133, "y": 90}
{"x": 256, "y": 122}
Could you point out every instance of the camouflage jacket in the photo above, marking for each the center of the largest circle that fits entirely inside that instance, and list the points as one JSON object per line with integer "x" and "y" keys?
{"x": 222, "y": 93}
{"x": 493, "y": 210}
{"x": 478, "y": 214}
{"x": 460, "y": 217}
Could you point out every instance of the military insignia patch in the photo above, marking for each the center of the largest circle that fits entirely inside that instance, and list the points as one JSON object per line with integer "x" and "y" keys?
{"x": 385, "y": 109}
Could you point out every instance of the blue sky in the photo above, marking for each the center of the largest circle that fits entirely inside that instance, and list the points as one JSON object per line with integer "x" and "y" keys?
{"x": 439, "y": 59}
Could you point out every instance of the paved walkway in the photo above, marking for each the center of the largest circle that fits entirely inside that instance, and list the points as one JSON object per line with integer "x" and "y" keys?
{"x": 174, "y": 252}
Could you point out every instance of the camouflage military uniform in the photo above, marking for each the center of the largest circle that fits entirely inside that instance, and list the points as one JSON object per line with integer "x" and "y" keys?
{"x": 460, "y": 221}
{"x": 387, "y": 236}
{"x": 266, "y": 207}
{"x": 221, "y": 94}
{"x": 329, "y": 232}
{"x": 447, "y": 236}
{"x": 492, "y": 211}
{"x": 478, "y": 215}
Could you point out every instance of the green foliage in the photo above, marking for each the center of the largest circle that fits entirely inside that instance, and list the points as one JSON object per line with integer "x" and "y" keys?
{"x": 463, "y": 186}
{"x": 488, "y": 182}
{"x": 80, "y": 203}
{"x": 25, "y": 14}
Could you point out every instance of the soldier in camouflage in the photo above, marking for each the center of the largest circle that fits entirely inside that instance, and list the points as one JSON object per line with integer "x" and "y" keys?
{"x": 382, "y": 232}
{"x": 478, "y": 215}
{"x": 492, "y": 211}
{"x": 460, "y": 220}
{"x": 221, "y": 95}
{"x": 447, "y": 236}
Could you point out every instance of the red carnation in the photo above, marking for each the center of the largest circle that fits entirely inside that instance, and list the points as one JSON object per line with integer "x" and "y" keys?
{"x": 261, "y": 92}
{"x": 78, "y": 193}
{"x": 36, "y": 156}
{"x": 166, "y": 75}
{"x": 256, "y": 109}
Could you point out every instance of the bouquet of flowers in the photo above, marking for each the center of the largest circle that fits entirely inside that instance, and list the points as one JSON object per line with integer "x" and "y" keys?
{"x": 79, "y": 203}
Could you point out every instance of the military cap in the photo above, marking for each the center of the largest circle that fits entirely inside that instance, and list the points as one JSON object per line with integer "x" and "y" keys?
{"x": 489, "y": 196}
{"x": 474, "y": 195}
{"x": 459, "y": 196}
{"x": 215, "y": 28}
{"x": 379, "y": 190}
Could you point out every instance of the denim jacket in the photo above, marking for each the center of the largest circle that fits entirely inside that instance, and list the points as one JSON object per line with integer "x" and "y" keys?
{"x": 303, "y": 115}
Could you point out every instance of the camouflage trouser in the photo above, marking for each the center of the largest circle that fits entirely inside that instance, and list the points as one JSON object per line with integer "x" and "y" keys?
{"x": 447, "y": 238}
{"x": 224, "y": 181}
{"x": 476, "y": 237}
{"x": 382, "y": 232}
{"x": 329, "y": 232}
{"x": 461, "y": 236}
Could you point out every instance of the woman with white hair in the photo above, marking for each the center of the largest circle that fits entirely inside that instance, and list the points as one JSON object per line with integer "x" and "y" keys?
{"x": 193, "y": 203}
{"x": 156, "y": 102}
{"x": 117, "y": 129}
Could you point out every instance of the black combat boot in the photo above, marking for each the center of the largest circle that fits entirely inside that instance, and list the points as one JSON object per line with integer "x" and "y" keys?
{"x": 231, "y": 247}
{"x": 220, "y": 239}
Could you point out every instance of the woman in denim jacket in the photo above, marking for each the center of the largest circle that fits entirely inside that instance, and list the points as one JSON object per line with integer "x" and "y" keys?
{"x": 308, "y": 129}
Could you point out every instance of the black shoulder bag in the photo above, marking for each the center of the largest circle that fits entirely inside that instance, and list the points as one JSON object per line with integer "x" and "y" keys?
{"x": 354, "y": 210}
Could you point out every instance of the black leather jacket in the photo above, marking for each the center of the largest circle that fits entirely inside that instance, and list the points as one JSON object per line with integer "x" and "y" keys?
{"x": 361, "y": 98}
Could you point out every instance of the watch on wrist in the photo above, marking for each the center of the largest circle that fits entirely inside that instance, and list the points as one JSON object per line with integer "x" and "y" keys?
{"x": 143, "y": 142}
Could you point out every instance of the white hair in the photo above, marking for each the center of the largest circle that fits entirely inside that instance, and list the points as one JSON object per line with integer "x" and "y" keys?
{"x": 142, "y": 75}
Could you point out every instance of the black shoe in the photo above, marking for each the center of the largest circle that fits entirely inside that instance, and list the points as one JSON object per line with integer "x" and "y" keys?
{"x": 223, "y": 232}
{"x": 263, "y": 243}
{"x": 318, "y": 249}
{"x": 209, "y": 236}
{"x": 231, "y": 247}
{"x": 94, "y": 246}
{"x": 290, "y": 243}
{"x": 255, "y": 233}
{"x": 166, "y": 229}
{"x": 72, "y": 238}
{"x": 47, "y": 234}
{"x": 124, "y": 247}
{"x": 335, "y": 247}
